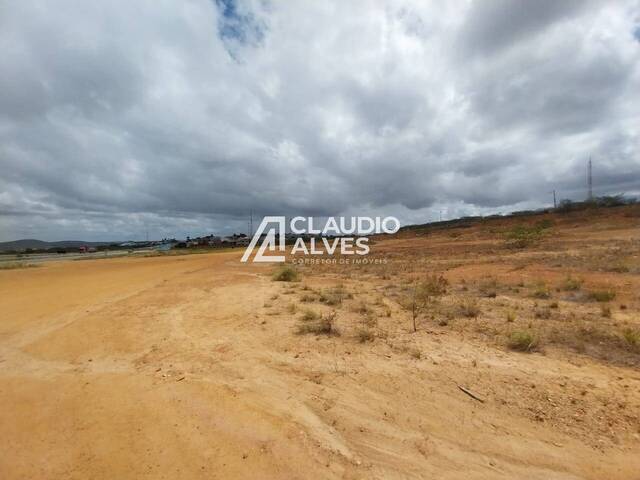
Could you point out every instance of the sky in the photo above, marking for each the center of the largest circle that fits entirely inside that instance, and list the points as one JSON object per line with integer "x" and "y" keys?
{"x": 126, "y": 118}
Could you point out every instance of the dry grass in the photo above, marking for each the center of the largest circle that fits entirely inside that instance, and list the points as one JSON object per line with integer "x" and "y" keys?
{"x": 314, "y": 323}
{"x": 602, "y": 295}
{"x": 522, "y": 341}
{"x": 286, "y": 274}
{"x": 16, "y": 265}
{"x": 469, "y": 308}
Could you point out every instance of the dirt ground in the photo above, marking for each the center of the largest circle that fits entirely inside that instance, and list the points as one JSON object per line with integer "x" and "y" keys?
{"x": 194, "y": 367}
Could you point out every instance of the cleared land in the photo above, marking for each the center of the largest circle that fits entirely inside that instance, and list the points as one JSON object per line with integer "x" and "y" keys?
{"x": 197, "y": 366}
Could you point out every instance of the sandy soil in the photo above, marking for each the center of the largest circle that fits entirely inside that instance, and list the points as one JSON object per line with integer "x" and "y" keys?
{"x": 189, "y": 367}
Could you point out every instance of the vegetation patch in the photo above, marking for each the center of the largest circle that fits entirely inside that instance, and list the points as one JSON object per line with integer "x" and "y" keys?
{"x": 522, "y": 341}
{"x": 313, "y": 323}
{"x": 16, "y": 265}
{"x": 423, "y": 295}
{"x": 571, "y": 284}
{"x": 602, "y": 295}
{"x": 523, "y": 236}
{"x": 469, "y": 308}
{"x": 286, "y": 274}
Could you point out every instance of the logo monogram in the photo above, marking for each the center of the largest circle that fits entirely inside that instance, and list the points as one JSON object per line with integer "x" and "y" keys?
{"x": 274, "y": 240}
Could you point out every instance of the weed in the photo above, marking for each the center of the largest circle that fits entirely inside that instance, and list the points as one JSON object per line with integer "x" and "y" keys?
{"x": 541, "y": 291}
{"x": 511, "y": 317}
{"x": 523, "y": 236}
{"x": 423, "y": 294}
{"x": 469, "y": 308}
{"x": 292, "y": 308}
{"x": 309, "y": 316}
{"x": 602, "y": 295}
{"x": 543, "y": 313}
{"x": 489, "y": 288}
{"x": 605, "y": 310}
{"x": 286, "y": 274}
{"x": 632, "y": 337}
{"x": 318, "y": 325}
{"x": 365, "y": 335}
{"x": 571, "y": 284}
{"x": 523, "y": 341}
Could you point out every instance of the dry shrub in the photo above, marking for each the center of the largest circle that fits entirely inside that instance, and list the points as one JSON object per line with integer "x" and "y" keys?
{"x": 313, "y": 323}
{"x": 286, "y": 273}
{"x": 602, "y": 295}
{"x": 522, "y": 341}
{"x": 489, "y": 288}
{"x": 541, "y": 291}
{"x": 632, "y": 338}
{"x": 469, "y": 308}
{"x": 571, "y": 284}
{"x": 365, "y": 335}
{"x": 423, "y": 294}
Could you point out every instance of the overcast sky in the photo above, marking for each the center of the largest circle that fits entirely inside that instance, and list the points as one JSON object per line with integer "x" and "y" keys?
{"x": 180, "y": 116}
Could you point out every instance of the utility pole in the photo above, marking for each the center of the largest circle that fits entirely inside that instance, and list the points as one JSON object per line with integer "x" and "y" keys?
{"x": 590, "y": 181}
{"x": 250, "y": 223}
{"x": 555, "y": 205}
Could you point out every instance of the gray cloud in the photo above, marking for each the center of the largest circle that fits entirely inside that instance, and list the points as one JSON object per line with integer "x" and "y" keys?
{"x": 180, "y": 117}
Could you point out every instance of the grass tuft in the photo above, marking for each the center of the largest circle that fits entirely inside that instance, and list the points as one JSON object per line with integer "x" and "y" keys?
{"x": 286, "y": 274}
{"x": 522, "y": 341}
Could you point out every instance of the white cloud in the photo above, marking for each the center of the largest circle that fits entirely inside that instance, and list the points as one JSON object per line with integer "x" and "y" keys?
{"x": 180, "y": 117}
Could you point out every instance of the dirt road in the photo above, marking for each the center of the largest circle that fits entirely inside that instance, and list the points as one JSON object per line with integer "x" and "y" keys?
{"x": 187, "y": 367}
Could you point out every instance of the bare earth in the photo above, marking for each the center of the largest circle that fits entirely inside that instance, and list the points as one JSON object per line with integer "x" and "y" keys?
{"x": 190, "y": 366}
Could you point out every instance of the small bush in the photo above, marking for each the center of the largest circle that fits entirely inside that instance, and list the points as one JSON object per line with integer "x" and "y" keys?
{"x": 423, "y": 295}
{"x": 522, "y": 341}
{"x": 541, "y": 291}
{"x": 511, "y": 317}
{"x": 602, "y": 295}
{"x": 605, "y": 310}
{"x": 489, "y": 288}
{"x": 632, "y": 337}
{"x": 365, "y": 335}
{"x": 292, "y": 308}
{"x": 286, "y": 274}
{"x": 309, "y": 316}
{"x": 543, "y": 313}
{"x": 318, "y": 325}
{"x": 571, "y": 284}
{"x": 469, "y": 308}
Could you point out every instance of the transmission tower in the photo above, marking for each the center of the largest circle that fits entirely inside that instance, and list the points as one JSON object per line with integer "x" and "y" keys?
{"x": 590, "y": 181}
